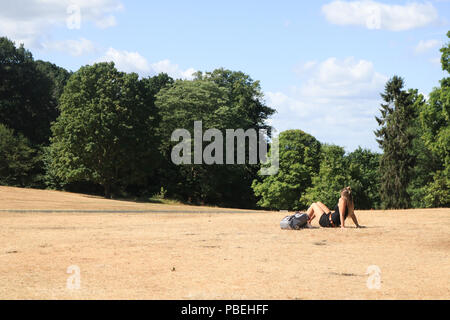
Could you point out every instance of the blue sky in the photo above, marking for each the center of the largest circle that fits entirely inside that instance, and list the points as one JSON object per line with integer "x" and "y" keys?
{"x": 322, "y": 64}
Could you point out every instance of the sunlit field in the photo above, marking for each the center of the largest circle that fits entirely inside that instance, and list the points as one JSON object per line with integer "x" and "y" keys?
{"x": 128, "y": 250}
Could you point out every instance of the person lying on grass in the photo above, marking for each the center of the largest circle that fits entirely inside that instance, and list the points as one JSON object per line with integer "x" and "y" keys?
{"x": 343, "y": 209}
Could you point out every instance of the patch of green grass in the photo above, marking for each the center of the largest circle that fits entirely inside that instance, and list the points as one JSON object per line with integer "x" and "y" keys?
{"x": 157, "y": 199}
{"x": 161, "y": 198}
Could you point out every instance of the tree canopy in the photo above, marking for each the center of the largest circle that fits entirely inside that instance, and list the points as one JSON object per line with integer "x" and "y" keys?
{"x": 28, "y": 94}
{"x": 299, "y": 161}
{"x": 101, "y": 130}
{"x": 222, "y": 100}
{"x": 17, "y": 158}
{"x": 104, "y": 132}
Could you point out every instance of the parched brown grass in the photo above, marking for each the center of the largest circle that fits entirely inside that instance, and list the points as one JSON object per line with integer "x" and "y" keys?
{"x": 128, "y": 250}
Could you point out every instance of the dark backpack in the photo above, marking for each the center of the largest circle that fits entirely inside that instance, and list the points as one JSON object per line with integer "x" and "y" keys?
{"x": 295, "y": 221}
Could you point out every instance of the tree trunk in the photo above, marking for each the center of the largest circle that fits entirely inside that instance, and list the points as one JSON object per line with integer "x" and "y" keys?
{"x": 107, "y": 191}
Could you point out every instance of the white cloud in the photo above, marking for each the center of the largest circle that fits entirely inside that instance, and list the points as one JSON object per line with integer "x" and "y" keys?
{"x": 106, "y": 22}
{"x": 172, "y": 70}
{"x": 127, "y": 61}
{"x": 310, "y": 64}
{"x": 425, "y": 45}
{"x": 436, "y": 61}
{"x": 302, "y": 68}
{"x": 28, "y": 21}
{"x": 336, "y": 103}
{"x": 72, "y": 47}
{"x": 376, "y": 15}
{"x": 134, "y": 62}
{"x": 348, "y": 78}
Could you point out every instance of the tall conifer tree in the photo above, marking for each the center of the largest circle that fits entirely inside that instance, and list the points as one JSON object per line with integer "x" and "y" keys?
{"x": 395, "y": 139}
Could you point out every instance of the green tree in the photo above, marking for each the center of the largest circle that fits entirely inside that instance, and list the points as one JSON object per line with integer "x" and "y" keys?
{"x": 246, "y": 108}
{"x": 179, "y": 106}
{"x": 150, "y": 87}
{"x": 363, "y": 167}
{"x": 58, "y": 76}
{"x": 104, "y": 132}
{"x": 332, "y": 176}
{"x": 299, "y": 155}
{"x": 433, "y": 189}
{"x": 395, "y": 138}
{"x": 17, "y": 158}
{"x": 29, "y": 93}
{"x": 186, "y": 101}
{"x": 425, "y": 163}
{"x": 222, "y": 100}
{"x": 27, "y": 104}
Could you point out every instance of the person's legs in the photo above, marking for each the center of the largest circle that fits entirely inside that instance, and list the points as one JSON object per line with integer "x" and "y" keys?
{"x": 323, "y": 207}
{"x": 313, "y": 211}
{"x": 310, "y": 213}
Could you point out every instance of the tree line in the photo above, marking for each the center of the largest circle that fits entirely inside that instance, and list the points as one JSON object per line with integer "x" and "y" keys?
{"x": 102, "y": 131}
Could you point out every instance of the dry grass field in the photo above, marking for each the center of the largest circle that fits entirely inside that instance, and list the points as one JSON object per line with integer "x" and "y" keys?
{"x": 127, "y": 250}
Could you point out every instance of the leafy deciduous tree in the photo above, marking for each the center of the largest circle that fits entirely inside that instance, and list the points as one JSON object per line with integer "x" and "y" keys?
{"x": 363, "y": 168}
{"x": 333, "y": 175}
{"x": 433, "y": 190}
{"x": 299, "y": 155}
{"x": 17, "y": 158}
{"x": 104, "y": 132}
{"x": 26, "y": 102}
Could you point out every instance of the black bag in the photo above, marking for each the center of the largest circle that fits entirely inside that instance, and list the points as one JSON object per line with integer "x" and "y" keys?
{"x": 295, "y": 221}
